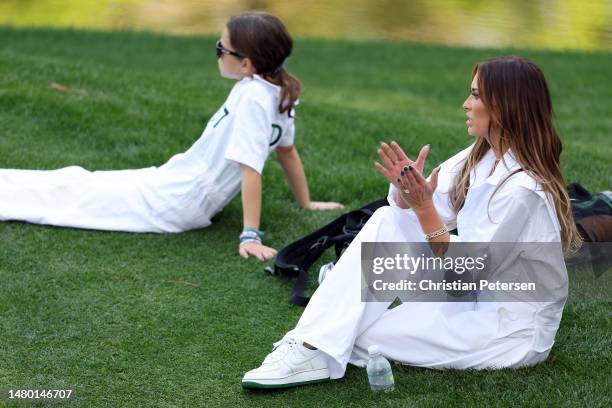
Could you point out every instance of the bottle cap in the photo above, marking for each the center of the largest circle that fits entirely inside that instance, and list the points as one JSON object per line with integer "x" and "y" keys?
{"x": 373, "y": 350}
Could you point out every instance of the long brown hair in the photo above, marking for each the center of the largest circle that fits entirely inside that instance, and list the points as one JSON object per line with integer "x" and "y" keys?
{"x": 515, "y": 93}
{"x": 265, "y": 40}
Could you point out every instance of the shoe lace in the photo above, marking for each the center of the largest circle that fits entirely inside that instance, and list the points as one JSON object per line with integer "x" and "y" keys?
{"x": 280, "y": 350}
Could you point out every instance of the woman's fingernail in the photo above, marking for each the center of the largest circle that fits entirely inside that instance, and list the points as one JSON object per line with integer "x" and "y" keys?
{"x": 402, "y": 173}
{"x": 405, "y": 168}
{"x": 399, "y": 181}
{"x": 410, "y": 168}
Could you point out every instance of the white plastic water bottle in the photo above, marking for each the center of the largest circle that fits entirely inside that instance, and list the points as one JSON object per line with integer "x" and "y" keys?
{"x": 379, "y": 371}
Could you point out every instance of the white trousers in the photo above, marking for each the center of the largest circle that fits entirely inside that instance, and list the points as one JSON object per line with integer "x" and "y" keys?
{"x": 426, "y": 334}
{"x": 139, "y": 200}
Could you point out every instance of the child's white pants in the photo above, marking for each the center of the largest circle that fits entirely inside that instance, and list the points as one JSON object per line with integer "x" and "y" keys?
{"x": 139, "y": 200}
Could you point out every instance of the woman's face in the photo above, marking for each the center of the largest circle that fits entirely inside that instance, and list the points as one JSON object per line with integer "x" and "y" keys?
{"x": 230, "y": 66}
{"x": 477, "y": 113}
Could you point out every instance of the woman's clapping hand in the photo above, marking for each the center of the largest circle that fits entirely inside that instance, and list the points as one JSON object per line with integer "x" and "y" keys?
{"x": 415, "y": 190}
{"x": 394, "y": 161}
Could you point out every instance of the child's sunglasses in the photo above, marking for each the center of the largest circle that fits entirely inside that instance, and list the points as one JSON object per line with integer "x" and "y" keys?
{"x": 222, "y": 50}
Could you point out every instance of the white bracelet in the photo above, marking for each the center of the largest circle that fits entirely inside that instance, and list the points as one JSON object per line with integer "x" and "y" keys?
{"x": 436, "y": 234}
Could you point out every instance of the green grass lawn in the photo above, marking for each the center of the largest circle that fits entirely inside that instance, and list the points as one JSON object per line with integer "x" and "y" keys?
{"x": 110, "y": 315}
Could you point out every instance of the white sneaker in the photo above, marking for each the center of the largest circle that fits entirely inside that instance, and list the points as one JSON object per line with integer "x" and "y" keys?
{"x": 288, "y": 365}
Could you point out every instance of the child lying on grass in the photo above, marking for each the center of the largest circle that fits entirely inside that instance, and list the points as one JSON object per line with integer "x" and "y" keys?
{"x": 187, "y": 191}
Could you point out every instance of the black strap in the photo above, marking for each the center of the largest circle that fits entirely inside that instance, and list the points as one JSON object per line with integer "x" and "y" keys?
{"x": 297, "y": 294}
{"x": 301, "y": 284}
{"x": 295, "y": 259}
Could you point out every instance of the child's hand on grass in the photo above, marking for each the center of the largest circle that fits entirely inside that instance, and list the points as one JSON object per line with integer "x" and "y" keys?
{"x": 324, "y": 205}
{"x": 259, "y": 251}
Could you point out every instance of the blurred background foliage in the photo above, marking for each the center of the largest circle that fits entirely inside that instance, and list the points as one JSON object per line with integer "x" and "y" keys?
{"x": 550, "y": 24}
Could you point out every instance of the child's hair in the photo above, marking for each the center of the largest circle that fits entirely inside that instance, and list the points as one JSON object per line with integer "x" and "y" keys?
{"x": 264, "y": 39}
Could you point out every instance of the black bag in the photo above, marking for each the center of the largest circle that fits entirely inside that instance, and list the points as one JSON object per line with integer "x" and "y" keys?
{"x": 296, "y": 258}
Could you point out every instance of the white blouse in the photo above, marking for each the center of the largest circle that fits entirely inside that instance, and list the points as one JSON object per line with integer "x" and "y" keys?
{"x": 519, "y": 211}
{"x": 489, "y": 215}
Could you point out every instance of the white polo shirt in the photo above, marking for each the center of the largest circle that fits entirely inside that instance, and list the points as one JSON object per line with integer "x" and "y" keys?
{"x": 245, "y": 130}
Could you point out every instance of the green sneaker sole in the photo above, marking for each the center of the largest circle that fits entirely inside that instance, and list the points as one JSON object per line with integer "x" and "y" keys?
{"x": 251, "y": 384}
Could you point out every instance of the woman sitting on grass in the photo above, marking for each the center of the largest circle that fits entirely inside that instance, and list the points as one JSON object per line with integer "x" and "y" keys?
{"x": 188, "y": 190}
{"x": 506, "y": 187}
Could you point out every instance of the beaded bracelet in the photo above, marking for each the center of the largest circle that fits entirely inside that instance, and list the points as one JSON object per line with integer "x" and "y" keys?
{"x": 249, "y": 234}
